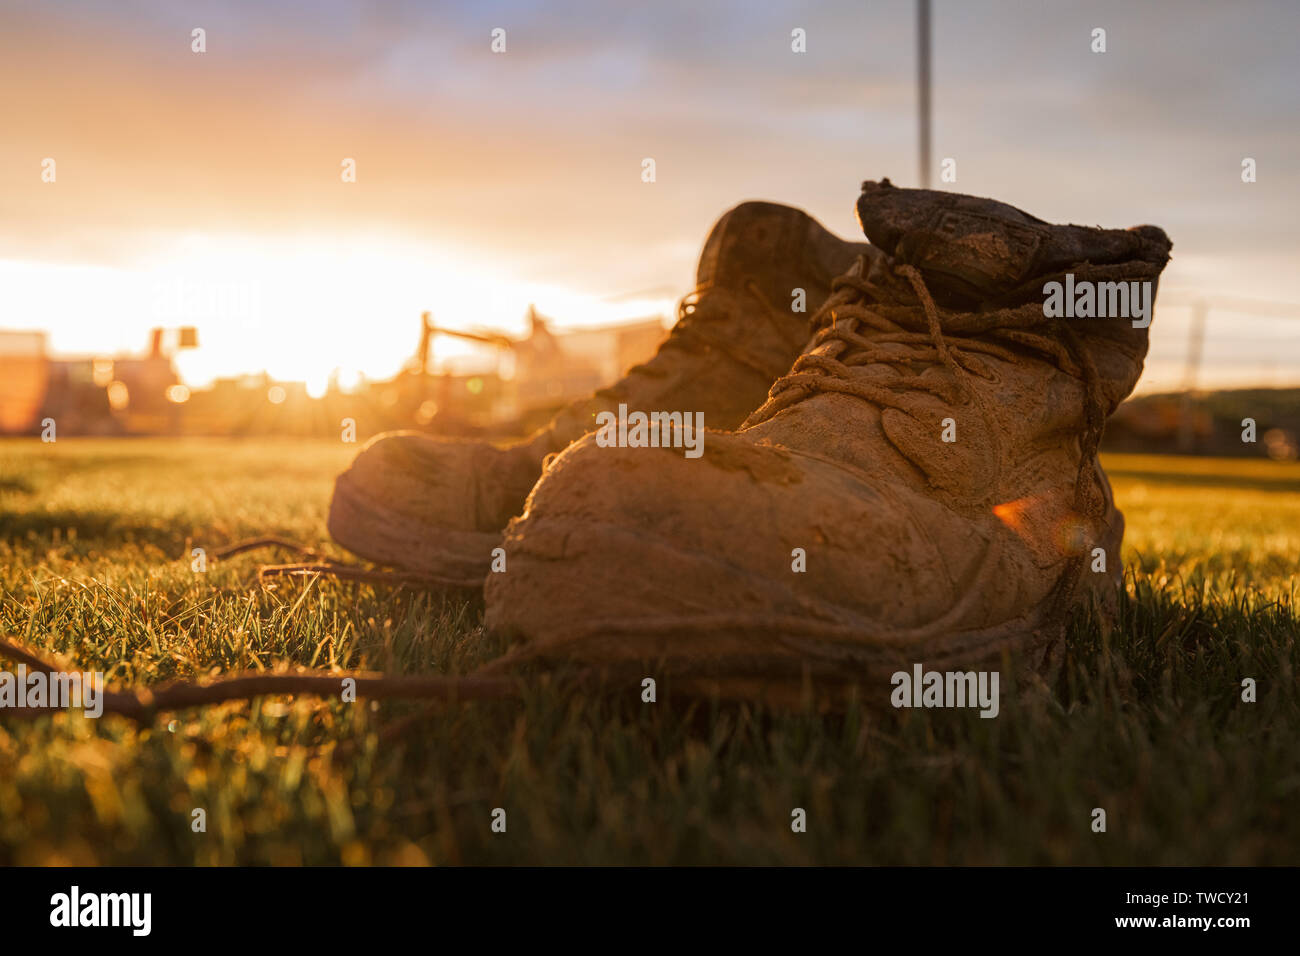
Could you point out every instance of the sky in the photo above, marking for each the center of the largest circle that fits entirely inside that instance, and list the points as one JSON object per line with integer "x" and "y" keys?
{"x": 206, "y": 188}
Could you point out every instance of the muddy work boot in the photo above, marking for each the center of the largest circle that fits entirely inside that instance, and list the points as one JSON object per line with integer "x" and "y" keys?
{"x": 921, "y": 487}
{"x": 438, "y": 506}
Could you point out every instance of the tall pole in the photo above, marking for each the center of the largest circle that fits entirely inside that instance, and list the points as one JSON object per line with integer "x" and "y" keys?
{"x": 923, "y": 85}
{"x": 426, "y": 339}
{"x": 1195, "y": 340}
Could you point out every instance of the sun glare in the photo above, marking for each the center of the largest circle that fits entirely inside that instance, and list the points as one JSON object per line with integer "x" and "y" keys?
{"x": 300, "y": 309}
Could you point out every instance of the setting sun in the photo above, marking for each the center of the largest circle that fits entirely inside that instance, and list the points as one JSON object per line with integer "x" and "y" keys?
{"x": 302, "y": 309}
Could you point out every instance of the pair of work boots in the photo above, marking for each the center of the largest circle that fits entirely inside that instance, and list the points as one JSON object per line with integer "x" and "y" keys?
{"x": 916, "y": 483}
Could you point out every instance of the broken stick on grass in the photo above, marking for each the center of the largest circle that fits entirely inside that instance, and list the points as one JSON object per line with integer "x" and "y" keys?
{"x": 143, "y": 704}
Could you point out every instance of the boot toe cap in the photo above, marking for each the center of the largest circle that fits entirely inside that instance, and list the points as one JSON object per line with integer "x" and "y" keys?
{"x": 424, "y": 504}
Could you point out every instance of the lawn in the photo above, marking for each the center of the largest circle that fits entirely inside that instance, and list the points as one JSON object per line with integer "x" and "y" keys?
{"x": 1147, "y": 721}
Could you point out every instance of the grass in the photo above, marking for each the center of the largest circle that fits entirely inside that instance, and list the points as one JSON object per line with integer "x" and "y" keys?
{"x": 1147, "y": 721}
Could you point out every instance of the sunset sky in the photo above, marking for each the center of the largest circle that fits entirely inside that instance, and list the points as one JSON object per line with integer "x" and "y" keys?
{"x": 489, "y": 181}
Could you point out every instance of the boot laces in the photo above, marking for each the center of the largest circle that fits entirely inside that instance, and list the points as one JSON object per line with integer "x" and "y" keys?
{"x": 702, "y": 323}
{"x": 863, "y": 323}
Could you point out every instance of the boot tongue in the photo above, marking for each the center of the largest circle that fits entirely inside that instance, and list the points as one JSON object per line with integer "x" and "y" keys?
{"x": 751, "y": 240}
{"x": 779, "y": 247}
{"x": 974, "y": 250}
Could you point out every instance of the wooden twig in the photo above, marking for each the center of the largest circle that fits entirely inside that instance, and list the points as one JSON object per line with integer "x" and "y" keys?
{"x": 143, "y": 704}
{"x": 16, "y": 651}
{"x": 371, "y": 575}
{"x": 230, "y": 550}
{"x": 324, "y": 564}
